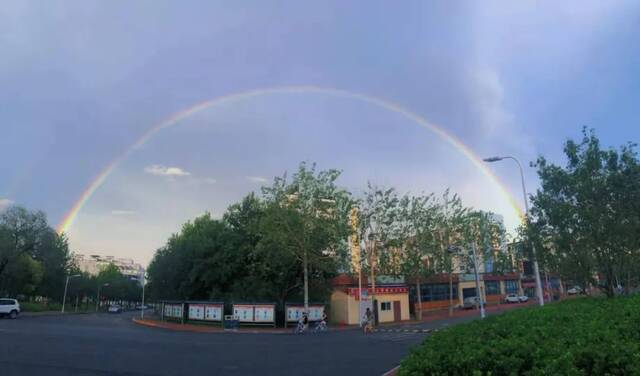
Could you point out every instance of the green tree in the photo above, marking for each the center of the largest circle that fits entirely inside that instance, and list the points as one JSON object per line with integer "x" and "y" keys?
{"x": 307, "y": 216}
{"x": 585, "y": 214}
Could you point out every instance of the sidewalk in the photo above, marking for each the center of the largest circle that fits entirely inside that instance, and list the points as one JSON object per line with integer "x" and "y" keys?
{"x": 494, "y": 308}
{"x": 430, "y": 317}
{"x": 204, "y": 328}
{"x": 51, "y": 313}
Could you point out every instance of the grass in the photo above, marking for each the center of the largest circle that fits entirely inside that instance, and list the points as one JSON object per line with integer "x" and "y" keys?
{"x": 590, "y": 336}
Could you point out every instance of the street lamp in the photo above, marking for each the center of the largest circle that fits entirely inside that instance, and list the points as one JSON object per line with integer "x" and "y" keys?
{"x": 142, "y": 305}
{"x": 98, "y": 297}
{"x": 66, "y": 284}
{"x": 536, "y": 270}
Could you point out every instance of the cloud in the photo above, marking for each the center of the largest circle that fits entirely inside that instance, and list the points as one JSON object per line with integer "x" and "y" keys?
{"x": 210, "y": 180}
{"x": 123, "y": 212}
{"x": 4, "y": 203}
{"x": 161, "y": 170}
{"x": 257, "y": 179}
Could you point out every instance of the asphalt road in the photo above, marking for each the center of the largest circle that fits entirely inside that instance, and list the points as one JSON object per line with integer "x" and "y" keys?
{"x": 101, "y": 344}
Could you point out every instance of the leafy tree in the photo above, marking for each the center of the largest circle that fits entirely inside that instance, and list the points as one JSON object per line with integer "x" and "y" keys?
{"x": 585, "y": 215}
{"x": 307, "y": 217}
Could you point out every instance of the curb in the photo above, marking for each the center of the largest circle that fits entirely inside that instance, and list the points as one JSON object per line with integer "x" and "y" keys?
{"x": 195, "y": 329}
{"x": 392, "y": 372}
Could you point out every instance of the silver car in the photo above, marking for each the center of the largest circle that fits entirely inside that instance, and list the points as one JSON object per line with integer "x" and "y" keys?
{"x": 470, "y": 302}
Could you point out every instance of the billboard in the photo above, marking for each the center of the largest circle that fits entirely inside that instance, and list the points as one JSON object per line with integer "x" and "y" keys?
{"x": 213, "y": 312}
{"x": 294, "y": 312}
{"x": 264, "y": 313}
{"x": 243, "y": 312}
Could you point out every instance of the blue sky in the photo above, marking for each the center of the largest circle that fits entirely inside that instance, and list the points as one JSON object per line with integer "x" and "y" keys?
{"x": 80, "y": 81}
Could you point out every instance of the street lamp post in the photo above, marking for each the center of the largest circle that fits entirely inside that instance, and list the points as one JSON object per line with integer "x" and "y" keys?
{"x": 536, "y": 269}
{"x": 142, "y": 305}
{"x": 66, "y": 284}
{"x": 98, "y": 297}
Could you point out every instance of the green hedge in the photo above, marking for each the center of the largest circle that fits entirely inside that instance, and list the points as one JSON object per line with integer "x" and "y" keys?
{"x": 39, "y": 307}
{"x": 588, "y": 336}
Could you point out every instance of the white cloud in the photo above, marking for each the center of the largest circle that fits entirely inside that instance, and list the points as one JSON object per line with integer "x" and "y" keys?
{"x": 4, "y": 203}
{"x": 123, "y": 212}
{"x": 161, "y": 170}
{"x": 257, "y": 179}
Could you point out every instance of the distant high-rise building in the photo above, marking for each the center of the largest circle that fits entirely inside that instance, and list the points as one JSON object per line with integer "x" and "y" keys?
{"x": 93, "y": 264}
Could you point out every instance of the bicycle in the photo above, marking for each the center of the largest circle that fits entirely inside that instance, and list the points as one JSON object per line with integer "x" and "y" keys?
{"x": 300, "y": 328}
{"x": 320, "y": 327}
{"x": 367, "y": 327}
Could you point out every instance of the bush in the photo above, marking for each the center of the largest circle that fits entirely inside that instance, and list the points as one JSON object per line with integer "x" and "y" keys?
{"x": 39, "y": 307}
{"x": 592, "y": 336}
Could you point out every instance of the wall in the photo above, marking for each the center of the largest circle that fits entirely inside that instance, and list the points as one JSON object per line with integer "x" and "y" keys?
{"x": 339, "y": 313}
{"x": 387, "y": 316}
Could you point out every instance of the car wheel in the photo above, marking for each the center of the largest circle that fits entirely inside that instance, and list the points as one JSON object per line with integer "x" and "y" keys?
{"x": 13, "y": 315}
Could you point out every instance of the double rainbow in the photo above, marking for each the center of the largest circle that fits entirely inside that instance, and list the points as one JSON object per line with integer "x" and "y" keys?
{"x": 174, "y": 119}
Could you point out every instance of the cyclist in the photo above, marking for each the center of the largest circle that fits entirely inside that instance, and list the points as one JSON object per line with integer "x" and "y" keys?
{"x": 322, "y": 324}
{"x": 368, "y": 321}
{"x": 303, "y": 323}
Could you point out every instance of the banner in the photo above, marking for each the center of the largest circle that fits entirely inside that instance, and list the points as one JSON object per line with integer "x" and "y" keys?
{"x": 196, "y": 312}
{"x": 213, "y": 312}
{"x": 295, "y": 312}
{"x": 264, "y": 313}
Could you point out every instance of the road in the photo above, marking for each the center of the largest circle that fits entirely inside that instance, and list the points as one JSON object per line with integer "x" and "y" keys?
{"x": 101, "y": 344}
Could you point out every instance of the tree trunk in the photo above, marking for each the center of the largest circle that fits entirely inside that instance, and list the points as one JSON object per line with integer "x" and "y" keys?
{"x": 306, "y": 281}
{"x": 450, "y": 292}
{"x": 419, "y": 292}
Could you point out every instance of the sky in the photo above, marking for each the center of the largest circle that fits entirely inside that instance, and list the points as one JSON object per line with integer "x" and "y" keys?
{"x": 83, "y": 81}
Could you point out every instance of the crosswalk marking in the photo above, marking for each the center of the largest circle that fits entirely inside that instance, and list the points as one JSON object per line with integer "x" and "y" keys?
{"x": 393, "y": 330}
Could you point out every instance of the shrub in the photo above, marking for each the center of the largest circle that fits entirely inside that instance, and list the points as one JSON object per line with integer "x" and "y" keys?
{"x": 592, "y": 336}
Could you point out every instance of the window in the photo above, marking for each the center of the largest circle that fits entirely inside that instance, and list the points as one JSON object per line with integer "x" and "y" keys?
{"x": 492, "y": 287}
{"x": 6, "y": 302}
{"x": 439, "y": 291}
{"x": 488, "y": 264}
{"x": 385, "y": 306}
{"x": 511, "y": 286}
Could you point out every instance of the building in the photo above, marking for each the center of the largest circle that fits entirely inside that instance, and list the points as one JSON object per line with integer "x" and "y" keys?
{"x": 93, "y": 264}
{"x": 348, "y": 307}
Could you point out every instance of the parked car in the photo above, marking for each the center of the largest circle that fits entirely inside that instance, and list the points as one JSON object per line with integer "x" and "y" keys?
{"x": 141, "y": 307}
{"x": 470, "y": 302}
{"x": 10, "y": 308}
{"x": 575, "y": 290}
{"x": 512, "y": 298}
{"x": 515, "y": 298}
{"x": 114, "y": 308}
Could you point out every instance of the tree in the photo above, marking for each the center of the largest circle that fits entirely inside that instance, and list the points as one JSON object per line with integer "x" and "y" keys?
{"x": 416, "y": 236}
{"x": 307, "y": 217}
{"x": 379, "y": 213}
{"x": 450, "y": 228}
{"x": 585, "y": 215}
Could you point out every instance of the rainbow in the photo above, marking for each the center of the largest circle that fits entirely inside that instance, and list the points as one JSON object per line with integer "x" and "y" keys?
{"x": 71, "y": 215}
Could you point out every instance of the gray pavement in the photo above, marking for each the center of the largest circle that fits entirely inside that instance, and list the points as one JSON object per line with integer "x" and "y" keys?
{"x": 101, "y": 344}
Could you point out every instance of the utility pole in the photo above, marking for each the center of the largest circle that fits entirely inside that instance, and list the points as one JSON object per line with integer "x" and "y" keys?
{"x": 536, "y": 269}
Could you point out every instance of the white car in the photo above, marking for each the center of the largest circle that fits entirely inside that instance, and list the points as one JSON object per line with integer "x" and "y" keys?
{"x": 9, "y": 307}
{"x": 575, "y": 290}
{"x": 114, "y": 308}
{"x": 515, "y": 298}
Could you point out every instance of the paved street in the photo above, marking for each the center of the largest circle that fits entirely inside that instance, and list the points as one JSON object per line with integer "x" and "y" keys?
{"x": 111, "y": 344}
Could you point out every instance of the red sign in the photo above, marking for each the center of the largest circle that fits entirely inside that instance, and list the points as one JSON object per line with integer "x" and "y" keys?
{"x": 354, "y": 291}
